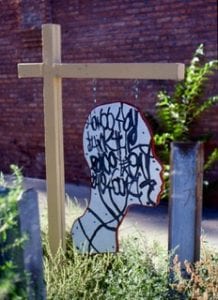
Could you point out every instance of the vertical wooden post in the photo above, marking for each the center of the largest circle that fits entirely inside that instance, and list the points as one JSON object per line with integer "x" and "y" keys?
{"x": 52, "y": 91}
{"x": 186, "y": 200}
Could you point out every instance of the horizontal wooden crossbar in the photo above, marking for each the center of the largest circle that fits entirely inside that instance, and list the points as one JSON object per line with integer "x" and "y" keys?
{"x": 152, "y": 71}
{"x": 121, "y": 70}
{"x": 27, "y": 70}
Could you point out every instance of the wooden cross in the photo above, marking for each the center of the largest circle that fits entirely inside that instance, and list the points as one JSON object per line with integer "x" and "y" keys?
{"x": 52, "y": 71}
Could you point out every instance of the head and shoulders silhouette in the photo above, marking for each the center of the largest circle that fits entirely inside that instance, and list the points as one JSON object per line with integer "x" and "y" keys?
{"x": 125, "y": 171}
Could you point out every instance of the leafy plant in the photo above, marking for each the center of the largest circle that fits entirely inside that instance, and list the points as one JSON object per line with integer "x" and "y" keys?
{"x": 178, "y": 112}
{"x": 213, "y": 157}
{"x": 10, "y": 278}
{"x": 139, "y": 271}
{"x": 135, "y": 273}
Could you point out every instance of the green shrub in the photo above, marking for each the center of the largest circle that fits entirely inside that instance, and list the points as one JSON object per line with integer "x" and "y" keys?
{"x": 11, "y": 280}
{"x": 136, "y": 273}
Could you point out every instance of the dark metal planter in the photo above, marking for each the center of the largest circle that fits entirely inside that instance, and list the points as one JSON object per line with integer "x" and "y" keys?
{"x": 185, "y": 207}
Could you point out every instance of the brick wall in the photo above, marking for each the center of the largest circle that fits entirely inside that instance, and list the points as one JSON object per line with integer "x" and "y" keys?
{"x": 93, "y": 31}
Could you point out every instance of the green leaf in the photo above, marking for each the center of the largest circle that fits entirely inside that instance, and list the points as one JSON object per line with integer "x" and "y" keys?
{"x": 178, "y": 111}
{"x": 213, "y": 158}
{"x": 205, "y": 106}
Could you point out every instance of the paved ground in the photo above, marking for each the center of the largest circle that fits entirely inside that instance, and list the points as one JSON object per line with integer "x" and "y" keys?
{"x": 152, "y": 223}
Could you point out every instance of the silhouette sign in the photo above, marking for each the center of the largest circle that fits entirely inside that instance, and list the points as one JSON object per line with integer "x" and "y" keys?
{"x": 124, "y": 171}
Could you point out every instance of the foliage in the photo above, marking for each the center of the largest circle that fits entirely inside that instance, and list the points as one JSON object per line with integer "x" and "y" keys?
{"x": 137, "y": 272}
{"x": 10, "y": 243}
{"x": 177, "y": 113}
{"x": 134, "y": 274}
{"x": 202, "y": 281}
{"x": 213, "y": 157}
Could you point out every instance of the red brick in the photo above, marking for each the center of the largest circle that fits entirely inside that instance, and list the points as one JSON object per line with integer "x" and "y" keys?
{"x": 92, "y": 31}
